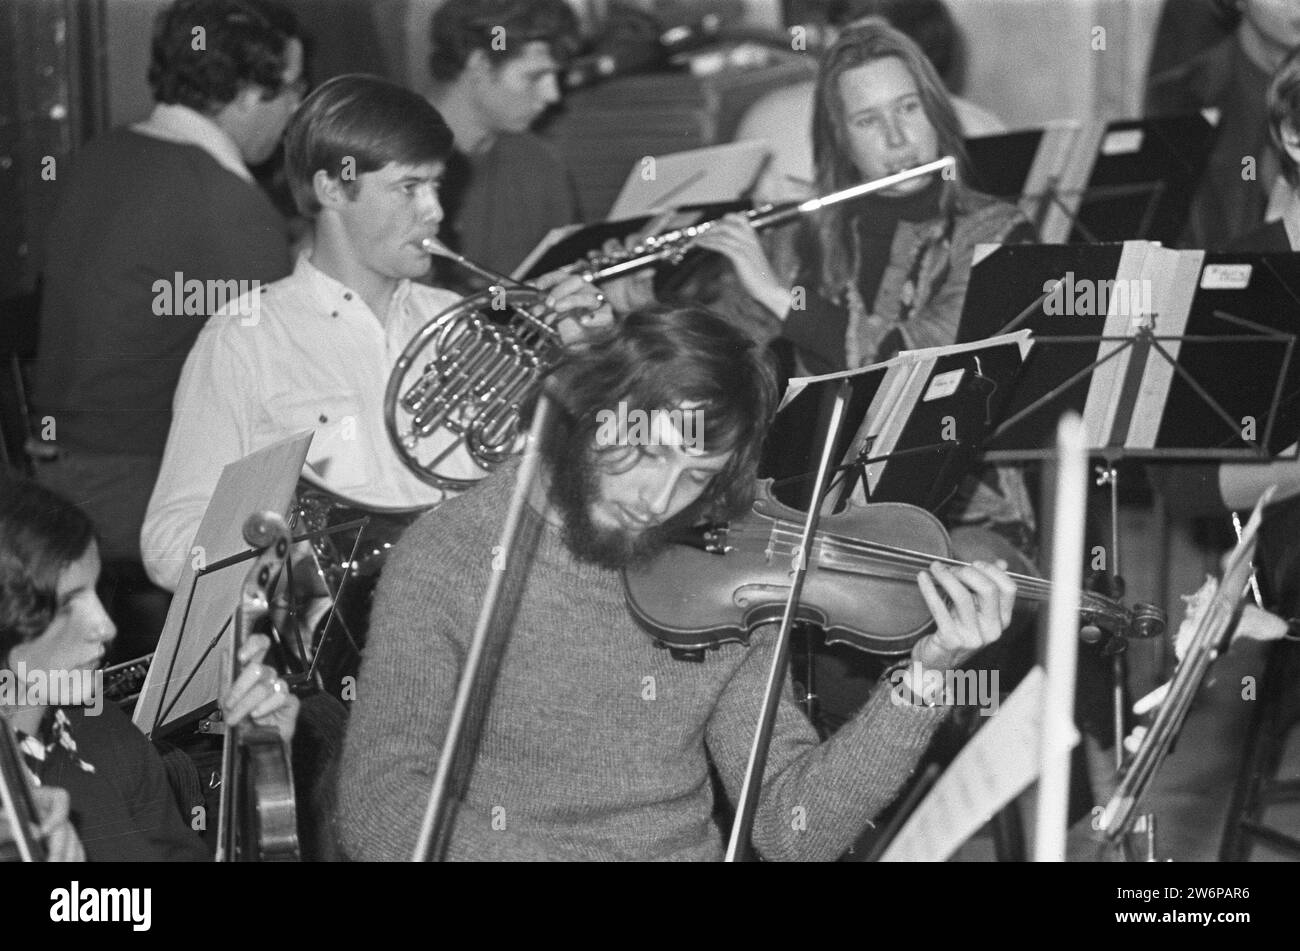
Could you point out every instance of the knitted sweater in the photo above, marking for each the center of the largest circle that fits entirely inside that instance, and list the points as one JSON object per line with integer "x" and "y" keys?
{"x": 596, "y": 744}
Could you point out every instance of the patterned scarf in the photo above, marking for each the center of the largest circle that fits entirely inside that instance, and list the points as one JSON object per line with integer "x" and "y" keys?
{"x": 35, "y": 752}
{"x": 868, "y": 328}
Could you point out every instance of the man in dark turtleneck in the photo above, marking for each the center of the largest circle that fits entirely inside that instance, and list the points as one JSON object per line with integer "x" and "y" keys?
{"x": 494, "y": 65}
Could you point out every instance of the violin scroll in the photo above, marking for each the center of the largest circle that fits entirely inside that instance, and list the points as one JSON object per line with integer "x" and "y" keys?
{"x": 262, "y": 530}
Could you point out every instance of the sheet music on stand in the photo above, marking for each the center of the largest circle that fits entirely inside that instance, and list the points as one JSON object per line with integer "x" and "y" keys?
{"x": 183, "y": 682}
{"x": 1166, "y": 354}
{"x": 671, "y": 191}
{"x": 997, "y": 764}
{"x": 710, "y": 175}
{"x": 914, "y": 423}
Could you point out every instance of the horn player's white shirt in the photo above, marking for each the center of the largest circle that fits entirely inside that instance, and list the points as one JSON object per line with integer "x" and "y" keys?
{"x": 311, "y": 355}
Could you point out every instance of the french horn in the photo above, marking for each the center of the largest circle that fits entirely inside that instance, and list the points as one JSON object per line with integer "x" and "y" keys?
{"x": 458, "y": 386}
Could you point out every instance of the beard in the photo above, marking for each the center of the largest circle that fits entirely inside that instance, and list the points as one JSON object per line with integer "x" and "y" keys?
{"x": 574, "y": 491}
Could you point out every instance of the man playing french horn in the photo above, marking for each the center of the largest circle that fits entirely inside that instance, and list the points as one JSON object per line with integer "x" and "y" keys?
{"x": 364, "y": 158}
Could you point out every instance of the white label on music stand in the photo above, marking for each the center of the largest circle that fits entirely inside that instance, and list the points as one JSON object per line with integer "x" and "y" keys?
{"x": 1226, "y": 277}
{"x": 1122, "y": 142}
{"x": 944, "y": 384}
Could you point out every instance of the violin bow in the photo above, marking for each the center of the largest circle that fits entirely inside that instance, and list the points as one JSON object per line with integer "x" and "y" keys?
{"x": 472, "y": 692}
{"x": 1209, "y": 615}
{"x": 747, "y": 804}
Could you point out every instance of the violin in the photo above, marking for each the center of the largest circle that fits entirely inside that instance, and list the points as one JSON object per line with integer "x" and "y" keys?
{"x": 17, "y": 800}
{"x": 257, "y": 821}
{"x": 718, "y": 584}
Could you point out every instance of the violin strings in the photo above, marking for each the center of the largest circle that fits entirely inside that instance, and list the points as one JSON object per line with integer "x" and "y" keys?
{"x": 1028, "y": 586}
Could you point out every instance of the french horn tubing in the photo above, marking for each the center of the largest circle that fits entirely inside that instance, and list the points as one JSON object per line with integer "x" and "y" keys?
{"x": 487, "y": 353}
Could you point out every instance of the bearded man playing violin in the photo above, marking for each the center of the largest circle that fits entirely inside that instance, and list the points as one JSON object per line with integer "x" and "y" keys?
{"x": 596, "y": 745}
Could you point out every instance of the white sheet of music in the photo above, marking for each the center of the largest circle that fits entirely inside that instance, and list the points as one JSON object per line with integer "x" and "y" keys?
{"x": 716, "y": 173}
{"x": 998, "y": 764}
{"x": 185, "y": 674}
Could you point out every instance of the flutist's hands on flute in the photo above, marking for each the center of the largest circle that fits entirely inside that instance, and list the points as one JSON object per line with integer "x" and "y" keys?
{"x": 637, "y": 289}
{"x": 735, "y": 238}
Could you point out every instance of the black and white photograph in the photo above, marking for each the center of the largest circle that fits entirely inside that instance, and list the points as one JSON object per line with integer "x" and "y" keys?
{"x": 586, "y": 431}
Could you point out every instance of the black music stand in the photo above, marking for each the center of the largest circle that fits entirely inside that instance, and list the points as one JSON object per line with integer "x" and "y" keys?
{"x": 1206, "y": 393}
{"x": 942, "y": 403}
{"x": 1127, "y": 179}
{"x": 1002, "y": 165}
{"x": 1194, "y": 386}
{"x": 1098, "y": 181}
{"x": 892, "y": 443}
{"x": 289, "y": 650}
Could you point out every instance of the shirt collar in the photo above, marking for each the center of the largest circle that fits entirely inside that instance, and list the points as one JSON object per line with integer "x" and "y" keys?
{"x": 338, "y": 299}
{"x": 176, "y": 123}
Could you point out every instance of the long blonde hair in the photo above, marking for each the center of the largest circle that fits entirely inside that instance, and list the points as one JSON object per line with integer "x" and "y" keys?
{"x": 862, "y": 42}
